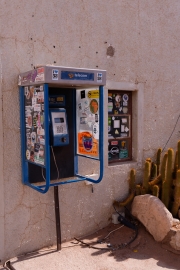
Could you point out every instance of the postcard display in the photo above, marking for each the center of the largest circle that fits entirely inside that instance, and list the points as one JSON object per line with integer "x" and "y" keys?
{"x": 34, "y": 124}
{"x": 119, "y": 125}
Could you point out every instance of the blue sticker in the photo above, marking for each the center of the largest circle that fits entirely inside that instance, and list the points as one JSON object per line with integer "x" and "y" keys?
{"x": 80, "y": 76}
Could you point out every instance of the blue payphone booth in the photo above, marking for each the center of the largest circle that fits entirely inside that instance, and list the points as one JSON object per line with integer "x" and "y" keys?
{"x": 61, "y": 120}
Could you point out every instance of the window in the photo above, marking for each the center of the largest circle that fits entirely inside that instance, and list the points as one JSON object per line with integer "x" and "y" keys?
{"x": 119, "y": 126}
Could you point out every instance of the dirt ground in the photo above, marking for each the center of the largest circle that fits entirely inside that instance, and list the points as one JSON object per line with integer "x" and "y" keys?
{"x": 143, "y": 253}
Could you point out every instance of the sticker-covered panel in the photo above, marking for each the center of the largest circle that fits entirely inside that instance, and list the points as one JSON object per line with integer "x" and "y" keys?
{"x": 87, "y": 122}
{"x": 118, "y": 150}
{"x": 34, "y": 123}
{"x": 119, "y": 125}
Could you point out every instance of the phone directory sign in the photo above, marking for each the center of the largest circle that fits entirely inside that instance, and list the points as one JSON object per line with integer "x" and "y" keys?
{"x": 87, "y": 122}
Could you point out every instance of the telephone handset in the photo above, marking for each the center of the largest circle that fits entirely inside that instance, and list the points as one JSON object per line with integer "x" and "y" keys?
{"x": 59, "y": 135}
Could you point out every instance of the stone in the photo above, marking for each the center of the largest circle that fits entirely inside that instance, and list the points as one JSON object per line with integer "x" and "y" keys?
{"x": 176, "y": 221}
{"x": 153, "y": 214}
{"x": 175, "y": 240}
{"x": 172, "y": 240}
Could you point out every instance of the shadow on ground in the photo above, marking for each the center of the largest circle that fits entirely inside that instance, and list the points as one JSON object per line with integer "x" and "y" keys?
{"x": 143, "y": 253}
{"x": 144, "y": 247}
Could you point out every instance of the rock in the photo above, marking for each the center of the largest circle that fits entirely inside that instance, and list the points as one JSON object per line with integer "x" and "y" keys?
{"x": 176, "y": 221}
{"x": 175, "y": 239}
{"x": 153, "y": 214}
{"x": 172, "y": 241}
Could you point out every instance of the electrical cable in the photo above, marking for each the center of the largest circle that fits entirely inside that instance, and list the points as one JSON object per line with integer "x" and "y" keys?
{"x": 55, "y": 162}
{"x": 125, "y": 222}
{"x": 43, "y": 174}
{"x": 112, "y": 232}
{"x": 171, "y": 133}
{"x": 55, "y": 165}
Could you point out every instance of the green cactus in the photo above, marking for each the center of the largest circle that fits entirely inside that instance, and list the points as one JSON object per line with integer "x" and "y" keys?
{"x": 132, "y": 185}
{"x": 147, "y": 174}
{"x": 176, "y": 203}
{"x": 163, "y": 166}
{"x": 178, "y": 158}
{"x": 156, "y": 181}
{"x": 165, "y": 176}
{"x": 167, "y": 184}
{"x": 153, "y": 170}
{"x": 138, "y": 190}
{"x": 143, "y": 191}
{"x": 149, "y": 160}
{"x": 156, "y": 190}
{"x": 158, "y": 160}
{"x": 128, "y": 200}
{"x": 175, "y": 165}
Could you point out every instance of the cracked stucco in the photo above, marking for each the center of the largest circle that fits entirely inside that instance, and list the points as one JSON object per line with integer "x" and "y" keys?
{"x": 145, "y": 36}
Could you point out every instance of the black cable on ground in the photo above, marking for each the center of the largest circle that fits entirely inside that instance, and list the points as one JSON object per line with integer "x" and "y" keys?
{"x": 126, "y": 223}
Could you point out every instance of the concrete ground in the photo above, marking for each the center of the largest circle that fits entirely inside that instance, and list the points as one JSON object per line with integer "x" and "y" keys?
{"x": 143, "y": 253}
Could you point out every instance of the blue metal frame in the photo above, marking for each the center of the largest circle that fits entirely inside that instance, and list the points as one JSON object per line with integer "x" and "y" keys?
{"x": 44, "y": 188}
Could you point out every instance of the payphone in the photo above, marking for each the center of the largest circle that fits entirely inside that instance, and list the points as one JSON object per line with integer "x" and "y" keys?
{"x": 58, "y": 127}
{"x": 61, "y": 121}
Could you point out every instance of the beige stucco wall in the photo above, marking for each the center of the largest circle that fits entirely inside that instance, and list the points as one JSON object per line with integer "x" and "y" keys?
{"x": 145, "y": 35}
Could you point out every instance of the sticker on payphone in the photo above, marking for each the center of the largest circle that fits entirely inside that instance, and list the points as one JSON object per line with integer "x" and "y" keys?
{"x": 34, "y": 123}
{"x": 87, "y": 144}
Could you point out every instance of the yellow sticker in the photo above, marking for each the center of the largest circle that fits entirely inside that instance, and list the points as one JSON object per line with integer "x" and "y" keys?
{"x": 60, "y": 98}
{"x": 93, "y": 94}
